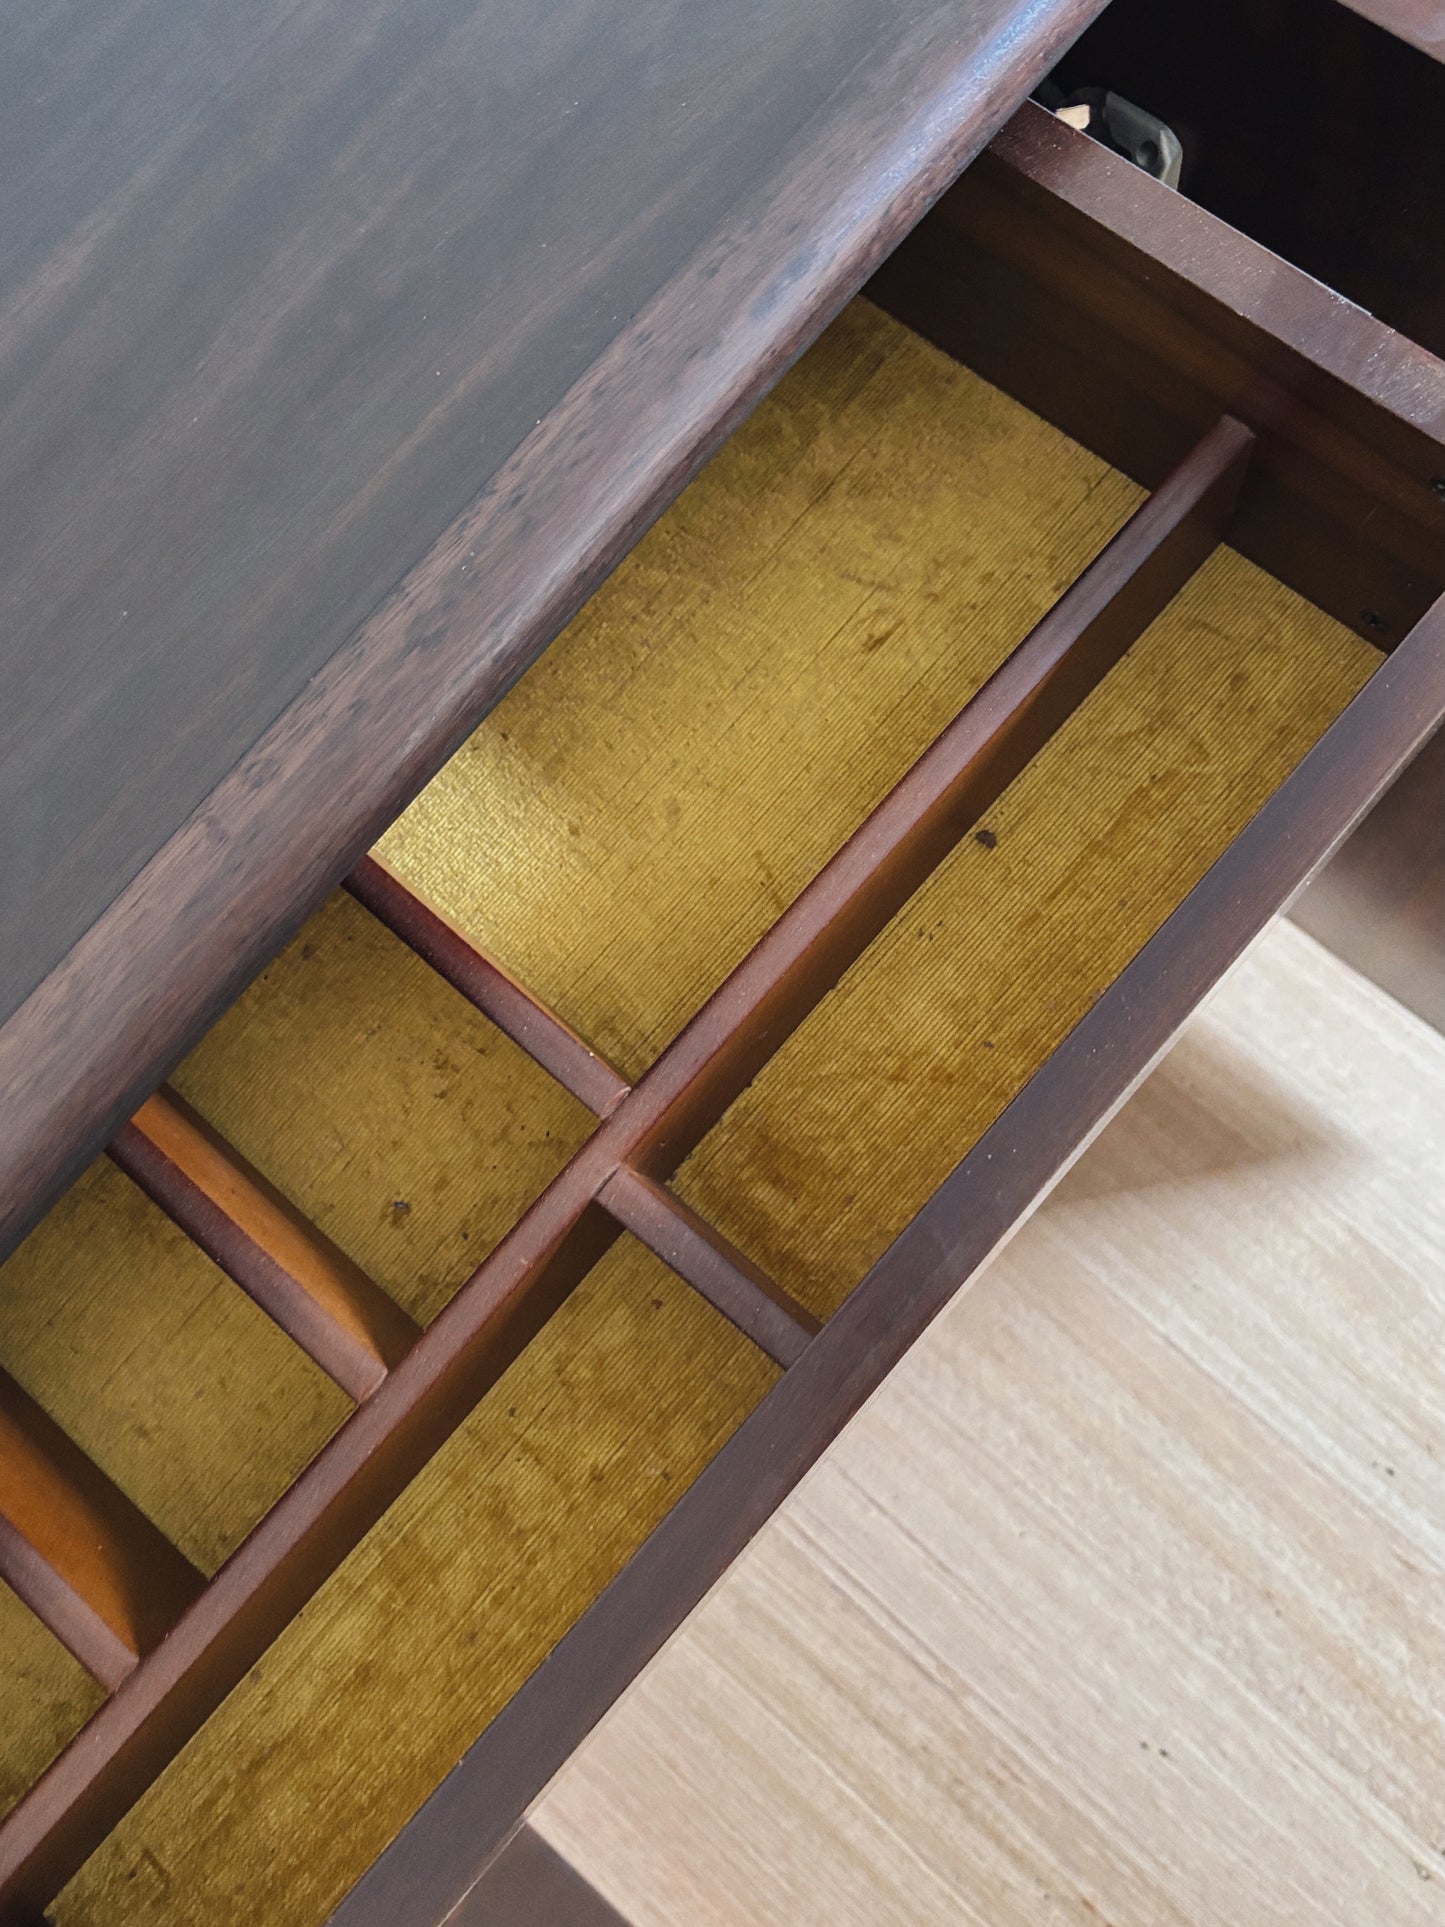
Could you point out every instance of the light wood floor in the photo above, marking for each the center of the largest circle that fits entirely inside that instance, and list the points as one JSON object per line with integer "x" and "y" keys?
{"x": 1124, "y": 1600}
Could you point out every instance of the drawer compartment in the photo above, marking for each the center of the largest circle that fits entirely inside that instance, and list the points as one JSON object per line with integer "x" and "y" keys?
{"x": 830, "y": 852}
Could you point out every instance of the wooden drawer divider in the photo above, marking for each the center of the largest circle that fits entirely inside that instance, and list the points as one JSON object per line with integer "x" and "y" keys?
{"x": 81, "y": 1556}
{"x": 315, "y": 1293}
{"x": 711, "y": 1264}
{"x": 510, "y": 1005}
{"x": 186, "y": 1643}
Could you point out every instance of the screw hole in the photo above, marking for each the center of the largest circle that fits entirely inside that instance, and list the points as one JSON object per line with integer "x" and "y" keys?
{"x": 1375, "y": 620}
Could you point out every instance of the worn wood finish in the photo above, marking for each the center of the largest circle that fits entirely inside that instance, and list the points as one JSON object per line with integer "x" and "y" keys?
{"x": 80, "y": 1555}
{"x": 714, "y": 1266}
{"x": 566, "y": 1231}
{"x": 441, "y": 1855}
{"x": 424, "y": 319}
{"x": 1132, "y": 319}
{"x": 336, "y": 1314}
{"x": 285, "y": 290}
{"x": 483, "y": 982}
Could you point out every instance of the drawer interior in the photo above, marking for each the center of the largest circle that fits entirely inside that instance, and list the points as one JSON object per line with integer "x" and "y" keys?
{"x": 725, "y": 714}
{"x": 838, "y": 583}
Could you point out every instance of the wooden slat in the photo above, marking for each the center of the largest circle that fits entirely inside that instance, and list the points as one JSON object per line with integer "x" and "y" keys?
{"x": 483, "y": 982}
{"x": 551, "y": 1248}
{"x": 338, "y": 1316}
{"x": 710, "y": 1263}
{"x": 81, "y": 1556}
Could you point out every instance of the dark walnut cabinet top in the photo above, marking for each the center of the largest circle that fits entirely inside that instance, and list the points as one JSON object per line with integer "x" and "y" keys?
{"x": 342, "y": 350}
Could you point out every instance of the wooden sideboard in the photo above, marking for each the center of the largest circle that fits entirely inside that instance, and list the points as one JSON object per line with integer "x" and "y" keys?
{"x": 345, "y": 357}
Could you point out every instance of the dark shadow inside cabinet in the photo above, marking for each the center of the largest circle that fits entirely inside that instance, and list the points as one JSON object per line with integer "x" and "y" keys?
{"x": 1304, "y": 125}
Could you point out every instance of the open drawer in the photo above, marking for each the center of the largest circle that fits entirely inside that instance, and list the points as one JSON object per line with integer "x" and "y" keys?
{"x": 691, "y": 1039}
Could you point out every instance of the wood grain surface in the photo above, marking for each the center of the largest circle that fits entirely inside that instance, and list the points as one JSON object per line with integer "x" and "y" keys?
{"x": 1120, "y": 1600}
{"x": 88, "y": 1562}
{"x": 318, "y": 1295}
{"x": 277, "y": 313}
